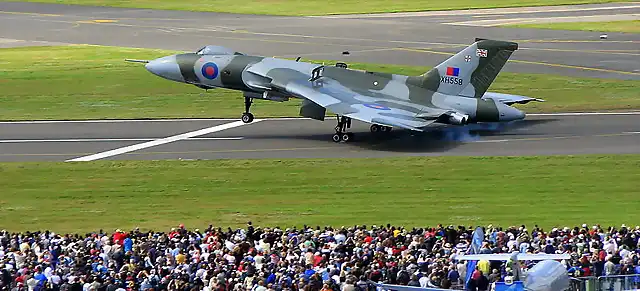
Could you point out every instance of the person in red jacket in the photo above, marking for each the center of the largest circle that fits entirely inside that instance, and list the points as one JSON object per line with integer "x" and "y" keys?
{"x": 119, "y": 236}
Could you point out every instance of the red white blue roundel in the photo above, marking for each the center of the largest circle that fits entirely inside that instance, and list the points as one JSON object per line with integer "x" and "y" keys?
{"x": 210, "y": 71}
{"x": 376, "y": 106}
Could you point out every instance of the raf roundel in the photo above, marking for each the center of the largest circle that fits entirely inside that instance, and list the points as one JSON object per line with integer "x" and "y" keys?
{"x": 210, "y": 71}
{"x": 377, "y": 106}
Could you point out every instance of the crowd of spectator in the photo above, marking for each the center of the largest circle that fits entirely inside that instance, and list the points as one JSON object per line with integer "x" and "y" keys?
{"x": 307, "y": 258}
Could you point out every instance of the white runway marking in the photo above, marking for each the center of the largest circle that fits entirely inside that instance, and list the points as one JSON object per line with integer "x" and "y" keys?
{"x": 584, "y": 113}
{"x": 109, "y": 139}
{"x": 484, "y": 11}
{"x": 138, "y": 120}
{"x": 158, "y": 142}
{"x": 269, "y": 119}
{"x": 511, "y": 21}
{"x": 628, "y": 133}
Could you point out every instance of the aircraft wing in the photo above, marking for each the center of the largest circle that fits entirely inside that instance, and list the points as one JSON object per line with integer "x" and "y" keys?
{"x": 521, "y": 257}
{"x": 367, "y": 106}
{"x": 509, "y": 99}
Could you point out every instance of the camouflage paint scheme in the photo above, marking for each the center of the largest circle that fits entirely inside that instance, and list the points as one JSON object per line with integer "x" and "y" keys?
{"x": 454, "y": 92}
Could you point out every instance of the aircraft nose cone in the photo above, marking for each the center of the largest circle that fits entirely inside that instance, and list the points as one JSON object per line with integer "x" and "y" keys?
{"x": 165, "y": 67}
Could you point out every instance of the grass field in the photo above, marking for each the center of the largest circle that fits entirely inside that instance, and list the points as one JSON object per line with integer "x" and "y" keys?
{"x": 562, "y": 190}
{"x": 318, "y": 7}
{"x": 91, "y": 82}
{"x": 632, "y": 26}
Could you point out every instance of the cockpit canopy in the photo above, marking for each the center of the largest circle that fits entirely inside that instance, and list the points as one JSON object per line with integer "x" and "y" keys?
{"x": 216, "y": 50}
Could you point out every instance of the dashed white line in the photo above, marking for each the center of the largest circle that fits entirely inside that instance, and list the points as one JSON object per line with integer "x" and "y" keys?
{"x": 108, "y": 139}
{"x": 158, "y": 142}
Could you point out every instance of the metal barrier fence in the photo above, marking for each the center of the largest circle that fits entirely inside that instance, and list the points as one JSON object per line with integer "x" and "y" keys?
{"x": 606, "y": 283}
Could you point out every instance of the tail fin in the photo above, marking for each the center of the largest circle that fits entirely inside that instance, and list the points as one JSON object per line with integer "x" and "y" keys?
{"x": 471, "y": 71}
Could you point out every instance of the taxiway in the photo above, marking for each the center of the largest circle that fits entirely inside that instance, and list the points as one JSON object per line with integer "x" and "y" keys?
{"x": 425, "y": 38}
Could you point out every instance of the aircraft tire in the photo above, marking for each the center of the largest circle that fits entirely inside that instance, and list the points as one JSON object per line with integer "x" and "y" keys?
{"x": 247, "y": 117}
{"x": 346, "y": 137}
{"x": 336, "y": 137}
{"x": 374, "y": 128}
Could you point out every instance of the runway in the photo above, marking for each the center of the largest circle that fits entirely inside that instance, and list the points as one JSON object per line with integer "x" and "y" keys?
{"x": 420, "y": 38}
{"x": 303, "y": 138}
{"x": 425, "y": 38}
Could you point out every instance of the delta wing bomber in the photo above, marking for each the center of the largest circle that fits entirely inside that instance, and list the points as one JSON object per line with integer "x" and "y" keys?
{"x": 454, "y": 92}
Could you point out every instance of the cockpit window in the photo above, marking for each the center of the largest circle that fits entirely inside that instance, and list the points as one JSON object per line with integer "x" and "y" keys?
{"x": 216, "y": 50}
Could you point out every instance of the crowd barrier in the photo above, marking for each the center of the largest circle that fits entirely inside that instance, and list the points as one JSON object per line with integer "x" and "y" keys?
{"x": 606, "y": 283}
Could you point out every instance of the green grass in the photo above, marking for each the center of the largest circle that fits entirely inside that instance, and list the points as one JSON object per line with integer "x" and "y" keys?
{"x": 554, "y": 190}
{"x": 632, "y": 26}
{"x": 318, "y": 7}
{"x": 93, "y": 82}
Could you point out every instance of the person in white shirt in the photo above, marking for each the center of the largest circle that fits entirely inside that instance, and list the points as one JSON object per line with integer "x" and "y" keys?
{"x": 55, "y": 279}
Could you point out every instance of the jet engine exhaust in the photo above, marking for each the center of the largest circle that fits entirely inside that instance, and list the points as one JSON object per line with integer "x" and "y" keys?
{"x": 458, "y": 119}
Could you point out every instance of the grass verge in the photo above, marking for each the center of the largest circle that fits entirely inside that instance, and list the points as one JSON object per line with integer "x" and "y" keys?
{"x": 318, "y": 7}
{"x": 631, "y": 26}
{"x": 94, "y": 82}
{"x": 415, "y": 191}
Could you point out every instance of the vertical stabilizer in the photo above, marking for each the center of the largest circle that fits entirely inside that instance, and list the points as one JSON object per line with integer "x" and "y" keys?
{"x": 471, "y": 71}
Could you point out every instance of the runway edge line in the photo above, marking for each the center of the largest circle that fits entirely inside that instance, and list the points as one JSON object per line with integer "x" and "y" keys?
{"x": 270, "y": 118}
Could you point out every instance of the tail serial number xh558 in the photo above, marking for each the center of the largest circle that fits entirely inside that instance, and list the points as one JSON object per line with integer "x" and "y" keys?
{"x": 454, "y": 92}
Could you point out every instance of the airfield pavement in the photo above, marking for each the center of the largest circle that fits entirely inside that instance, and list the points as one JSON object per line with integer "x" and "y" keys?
{"x": 424, "y": 38}
{"x": 303, "y": 138}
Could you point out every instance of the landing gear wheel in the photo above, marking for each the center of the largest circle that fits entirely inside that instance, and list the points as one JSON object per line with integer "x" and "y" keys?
{"x": 386, "y": 129}
{"x": 374, "y": 128}
{"x": 347, "y": 136}
{"x": 247, "y": 117}
{"x": 336, "y": 137}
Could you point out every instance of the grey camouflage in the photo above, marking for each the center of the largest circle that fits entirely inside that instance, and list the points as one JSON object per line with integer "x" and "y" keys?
{"x": 453, "y": 92}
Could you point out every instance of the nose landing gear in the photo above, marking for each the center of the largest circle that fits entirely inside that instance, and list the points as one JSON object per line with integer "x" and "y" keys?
{"x": 247, "y": 117}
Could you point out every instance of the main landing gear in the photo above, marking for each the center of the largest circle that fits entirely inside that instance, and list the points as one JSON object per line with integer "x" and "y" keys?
{"x": 247, "y": 117}
{"x": 341, "y": 130}
{"x": 345, "y": 122}
{"x": 375, "y": 128}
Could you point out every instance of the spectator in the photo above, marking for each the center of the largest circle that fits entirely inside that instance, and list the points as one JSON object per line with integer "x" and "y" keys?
{"x": 327, "y": 259}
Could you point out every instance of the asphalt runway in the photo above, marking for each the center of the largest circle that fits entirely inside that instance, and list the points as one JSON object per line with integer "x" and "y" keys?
{"x": 425, "y": 38}
{"x": 303, "y": 138}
